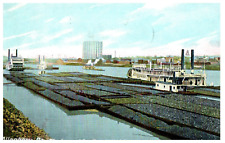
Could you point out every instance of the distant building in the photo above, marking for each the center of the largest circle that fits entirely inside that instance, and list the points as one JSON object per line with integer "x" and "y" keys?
{"x": 108, "y": 61}
{"x": 107, "y": 57}
{"x": 169, "y": 59}
{"x": 92, "y": 49}
{"x": 125, "y": 61}
{"x": 161, "y": 60}
{"x": 79, "y": 60}
{"x": 142, "y": 61}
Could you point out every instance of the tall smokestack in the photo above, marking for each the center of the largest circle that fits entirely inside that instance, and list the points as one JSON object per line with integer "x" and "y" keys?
{"x": 192, "y": 59}
{"x": 182, "y": 59}
{"x": 8, "y": 54}
{"x": 16, "y": 53}
{"x": 39, "y": 59}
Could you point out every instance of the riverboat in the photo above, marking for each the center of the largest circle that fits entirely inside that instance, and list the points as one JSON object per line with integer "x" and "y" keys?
{"x": 170, "y": 79}
{"x": 14, "y": 63}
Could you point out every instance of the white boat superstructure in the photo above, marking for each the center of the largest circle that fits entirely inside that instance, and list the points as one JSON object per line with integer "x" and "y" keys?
{"x": 170, "y": 79}
{"x": 14, "y": 63}
{"x": 42, "y": 64}
{"x": 153, "y": 74}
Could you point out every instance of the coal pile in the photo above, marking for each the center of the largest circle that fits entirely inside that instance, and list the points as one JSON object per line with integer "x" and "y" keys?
{"x": 80, "y": 98}
{"x": 179, "y": 116}
{"x": 174, "y": 131}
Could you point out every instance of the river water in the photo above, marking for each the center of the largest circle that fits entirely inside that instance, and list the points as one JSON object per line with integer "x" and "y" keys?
{"x": 60, "y": 123}
{"x": 212, "y": 76}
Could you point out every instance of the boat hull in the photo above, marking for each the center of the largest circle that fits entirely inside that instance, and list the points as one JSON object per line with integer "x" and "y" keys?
{"x": 16, "y": 69}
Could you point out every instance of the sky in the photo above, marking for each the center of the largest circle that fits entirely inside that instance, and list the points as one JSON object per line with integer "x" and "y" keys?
{"x": 58, "y": 30}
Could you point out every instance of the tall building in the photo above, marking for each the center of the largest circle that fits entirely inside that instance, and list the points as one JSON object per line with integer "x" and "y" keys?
{"x": 92, "y": 49}
{"x": 107, "y": 57}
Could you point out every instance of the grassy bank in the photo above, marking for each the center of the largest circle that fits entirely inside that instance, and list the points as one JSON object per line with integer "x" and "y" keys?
{"x": 16, "y": 125}
{"x": 207, "y": 67}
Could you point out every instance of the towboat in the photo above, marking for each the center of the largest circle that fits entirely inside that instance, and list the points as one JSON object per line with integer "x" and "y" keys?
{"x": 88, "y": 67}
{"x": 170, "y": 79}
{"x": 14, "y": 63}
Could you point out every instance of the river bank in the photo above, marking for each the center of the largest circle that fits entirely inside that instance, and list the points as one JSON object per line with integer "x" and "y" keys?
{"x": 17, "y": 126}
{"x": 207, "y": 67}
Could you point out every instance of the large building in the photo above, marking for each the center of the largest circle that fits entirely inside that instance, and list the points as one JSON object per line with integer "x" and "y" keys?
{"x": 107, "y": 57}
{"x": 92, "y": 49}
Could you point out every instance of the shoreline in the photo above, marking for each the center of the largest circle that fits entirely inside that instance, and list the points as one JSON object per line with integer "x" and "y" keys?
{"x": 111, "y": 65}
{"x": 17, "y": 126}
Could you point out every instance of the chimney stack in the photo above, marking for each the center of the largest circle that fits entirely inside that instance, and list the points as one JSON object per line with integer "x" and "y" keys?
{"x": 39, "y": 59}
{"x": 182, "y": 59}
{"x": 16, "y": 53}
{"x": 192, "y": 59}
{"x": 8, "y": 54}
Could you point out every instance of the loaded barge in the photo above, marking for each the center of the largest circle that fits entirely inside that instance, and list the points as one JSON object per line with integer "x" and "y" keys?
{"x": 177, "y": 116}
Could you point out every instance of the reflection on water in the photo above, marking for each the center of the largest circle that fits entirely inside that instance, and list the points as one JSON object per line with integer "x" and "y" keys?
{"x": 60, "y": 123}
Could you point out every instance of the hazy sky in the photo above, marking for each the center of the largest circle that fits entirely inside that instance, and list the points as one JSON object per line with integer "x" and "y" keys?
{"x": 135, "y": 29}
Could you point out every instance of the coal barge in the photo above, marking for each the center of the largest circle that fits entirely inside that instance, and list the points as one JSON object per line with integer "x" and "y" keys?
{"x": 177, "y": 116}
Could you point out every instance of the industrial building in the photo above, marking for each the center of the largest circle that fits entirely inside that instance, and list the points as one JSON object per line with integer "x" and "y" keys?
{"x": 107, "y": 57}
{"x": 92, "y": 49}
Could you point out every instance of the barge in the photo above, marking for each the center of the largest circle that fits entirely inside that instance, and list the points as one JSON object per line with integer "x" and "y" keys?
{"x": 177, "y": 116}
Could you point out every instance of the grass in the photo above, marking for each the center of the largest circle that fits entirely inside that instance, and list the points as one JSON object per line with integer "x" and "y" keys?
{"x": 128, "y": 101}
{"x": 61, "y": 74}
{"x": 135, "y": 81}
{"x": 212, "y": 67}
{"x": 48, "y": 79}
{"x": 74, "y": 64}
{"x": 209, "y": 93}
{"x": 19, "y": 75}
{"x": 33, "y": 86}
{"x": 207, "y": 67}
{"x": 16, "y": 125}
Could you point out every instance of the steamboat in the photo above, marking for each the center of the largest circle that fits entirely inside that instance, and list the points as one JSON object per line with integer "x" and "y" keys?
{"x": 14, "y": 63}
{"x": 170, "y": 79}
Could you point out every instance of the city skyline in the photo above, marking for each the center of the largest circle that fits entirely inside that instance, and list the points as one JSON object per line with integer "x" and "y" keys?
{"x": 130, "y": 29}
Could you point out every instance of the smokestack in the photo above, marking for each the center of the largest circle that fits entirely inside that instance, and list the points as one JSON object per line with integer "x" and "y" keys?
{"x": 16, "y": 53}
{"x": 8, "y": 54}
{"x": 174, "y": 77}
{"x": 182, "y": 59}
{"x": 150, "y": 65}
{"x": 192, "y": 59}
{"x": 39, "y": 59}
